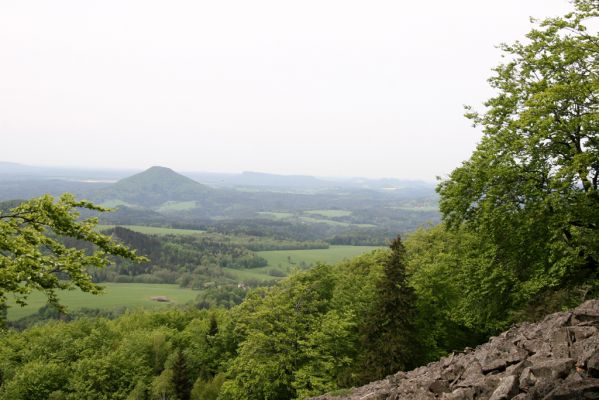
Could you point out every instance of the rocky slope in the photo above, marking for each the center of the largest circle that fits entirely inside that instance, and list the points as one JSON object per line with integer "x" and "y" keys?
{"x": 557, "y": 358}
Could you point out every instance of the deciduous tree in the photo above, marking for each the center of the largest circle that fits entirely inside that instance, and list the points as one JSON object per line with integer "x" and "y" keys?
{"x": 32, "y": 256}
{"x": 529, "y": 190}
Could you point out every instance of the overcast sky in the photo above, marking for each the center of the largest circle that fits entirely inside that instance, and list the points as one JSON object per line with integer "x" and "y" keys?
{"x": 330, "y": 88}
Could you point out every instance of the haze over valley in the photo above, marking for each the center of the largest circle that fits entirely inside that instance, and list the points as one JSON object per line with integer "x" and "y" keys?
{"x": 276, "y": 200}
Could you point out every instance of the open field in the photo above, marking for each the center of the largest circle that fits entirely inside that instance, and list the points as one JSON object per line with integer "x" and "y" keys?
{"x": 299, "y": 258}
{"x": 315, "y": 220}
{"x": 135, "y": 295}
{"x": 259, "y": 274}
{"x": 315, "y": 217}
{"x": 117, "y": 203}
{"x": 275, "y": 215}
{"x": 172, "y": 206}
{"x": 116, "y": 295}
{"x": 154, "y": 230}
{"x": 418, "y": 208}
{"x": 287, "y": 261}
{"x": 330, "y": 213}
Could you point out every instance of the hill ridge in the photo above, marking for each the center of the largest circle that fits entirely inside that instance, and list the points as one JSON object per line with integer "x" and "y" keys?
{"x": 154, "y": 186}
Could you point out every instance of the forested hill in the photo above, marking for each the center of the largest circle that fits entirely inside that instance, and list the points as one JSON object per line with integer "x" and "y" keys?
{"x": 320, "y": 209}
{"x": 152, "y": 188}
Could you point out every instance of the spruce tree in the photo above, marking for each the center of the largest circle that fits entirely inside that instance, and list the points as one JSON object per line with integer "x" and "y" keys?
{"x": 389, "y": 335}
{"x": 181, "y": 381}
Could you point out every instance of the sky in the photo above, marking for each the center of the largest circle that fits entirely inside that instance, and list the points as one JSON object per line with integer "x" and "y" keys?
{"x": 329, "y": 87}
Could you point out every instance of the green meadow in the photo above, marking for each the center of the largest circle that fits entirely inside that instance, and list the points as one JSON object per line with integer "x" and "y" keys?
{"x": 172, "y": 206}
{"x": 116, "y": 295}
{"x": 298, "y": 258}
{"x": 133, "y": 295}
{"x": 276, "y": 215}
{"x": 330, "y": 213}
{"x": 315, "y": 217}
{"x": 154, "y": 230}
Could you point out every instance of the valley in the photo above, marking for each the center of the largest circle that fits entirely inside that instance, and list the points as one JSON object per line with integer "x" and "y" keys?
{"x": 208, "y": 234}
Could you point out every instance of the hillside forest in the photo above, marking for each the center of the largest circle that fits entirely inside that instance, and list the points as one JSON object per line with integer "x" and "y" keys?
{"x": 515, "y": 236}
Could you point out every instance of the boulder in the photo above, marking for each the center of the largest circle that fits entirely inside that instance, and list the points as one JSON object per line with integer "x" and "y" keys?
{"x": 555, "y": 359}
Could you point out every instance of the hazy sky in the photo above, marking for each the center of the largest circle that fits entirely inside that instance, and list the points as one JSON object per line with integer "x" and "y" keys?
{"x": 331, "y": 88}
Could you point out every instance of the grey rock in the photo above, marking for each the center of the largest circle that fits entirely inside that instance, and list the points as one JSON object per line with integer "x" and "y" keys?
{"x": 584, "y": 389}
{"x": 439, "y": 386}
{"x": 554, "y": 359}
{"x": 459, "y": 394}
{"x": 508, "y": 388}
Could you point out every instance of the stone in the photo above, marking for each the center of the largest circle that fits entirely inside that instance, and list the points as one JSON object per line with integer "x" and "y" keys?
{"x": 508, "y": 388}
{"x": 555, "y": 359}
{"x": 439, "y": 386}
{"x": 527, "y": 379}
{"x": 459, "y": 394}
{"x": 553, "y": 369}
{"x": 584, "y": 389}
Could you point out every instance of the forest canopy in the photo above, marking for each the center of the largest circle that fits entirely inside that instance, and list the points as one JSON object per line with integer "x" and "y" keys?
{"x": 529, "y": 191}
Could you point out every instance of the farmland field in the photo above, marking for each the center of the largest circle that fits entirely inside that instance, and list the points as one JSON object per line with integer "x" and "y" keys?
{"x": 133, "y": 295}
{"x": 116, "y": 295}
{"x": 298, "y": 258}
{"x": 275, "y": 215}
{"x": 154, "y": 230}
{"x": 171, "y": 206}
{"x": 259, "y": 274}
{"x": 330, "y": 213}
{"x": 315, "y": 217}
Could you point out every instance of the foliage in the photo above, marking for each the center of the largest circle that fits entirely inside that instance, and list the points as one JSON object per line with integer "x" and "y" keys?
{"x": 445, "y": 271}
{"x": 32, "y": 256}
{"x": 207, "y": 389}
{"x": 529, "y": 191}
{"x": 130, "y": 357}
{"x": 303, "y": 337}
{"x": 181, "y": 382}
{"x": 389, "y": 335}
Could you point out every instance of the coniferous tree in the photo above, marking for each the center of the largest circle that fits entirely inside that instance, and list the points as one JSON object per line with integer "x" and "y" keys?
{"x": 181, "y": 381}
{"x": 389, "y": 335}
{"x": 213, "y": 330}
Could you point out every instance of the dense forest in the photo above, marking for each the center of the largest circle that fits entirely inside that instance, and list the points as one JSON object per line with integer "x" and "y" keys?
{"x": 519, "y": 238}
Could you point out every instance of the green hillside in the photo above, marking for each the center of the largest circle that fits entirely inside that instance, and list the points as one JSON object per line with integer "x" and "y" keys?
{"x": 152, "y": 188}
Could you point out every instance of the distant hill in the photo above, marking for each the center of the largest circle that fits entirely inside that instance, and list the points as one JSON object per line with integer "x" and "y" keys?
{"x": 152, "y": 188}
{"x": 311, "y": 184}
{"x": 251, "y": 202}
{"x": 21, "y": 172}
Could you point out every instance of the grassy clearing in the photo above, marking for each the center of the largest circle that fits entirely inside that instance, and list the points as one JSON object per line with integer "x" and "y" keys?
{"x": 334, "y": 223}
{"x": 276, "y": 215}
{"x": 330, "y": 213}
{"x": 288, "y": 261}
{"x": 117, "y": 203}
{"x": 116, "y": 295}
{"x": 260, "y": 274}
{"x": 299, "y": 258}
{"x": 153, "y": 230}
{"x": 315, "y": 217}
{"x": 417, "y": 209}
{"x": 177, "y": 206}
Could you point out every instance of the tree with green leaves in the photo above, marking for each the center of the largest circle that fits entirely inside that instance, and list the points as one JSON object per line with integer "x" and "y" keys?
{"x": 529, "y": 191}
{"x": 33, "y": 257}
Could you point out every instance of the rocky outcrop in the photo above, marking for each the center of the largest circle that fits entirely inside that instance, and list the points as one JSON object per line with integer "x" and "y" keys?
{"x": 555, "y": 359}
